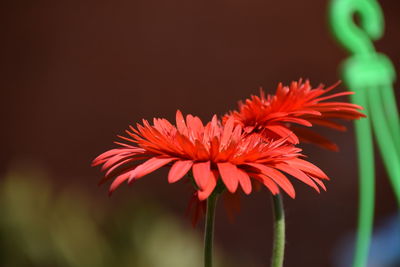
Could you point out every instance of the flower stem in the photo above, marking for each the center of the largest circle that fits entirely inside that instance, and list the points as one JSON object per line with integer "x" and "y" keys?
{"x": 278, "y": 249}
{"x": 209, "y": 231}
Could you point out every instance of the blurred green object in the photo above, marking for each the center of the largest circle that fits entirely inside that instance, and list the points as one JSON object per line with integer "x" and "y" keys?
{"x": 370, "y": 75}
{"x": 46, "y": 226}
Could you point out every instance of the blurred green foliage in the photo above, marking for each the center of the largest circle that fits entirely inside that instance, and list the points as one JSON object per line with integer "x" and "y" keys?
{"x": 41, "y": 225}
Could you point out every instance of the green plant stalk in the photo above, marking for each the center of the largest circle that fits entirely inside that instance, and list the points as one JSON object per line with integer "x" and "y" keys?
{"x": 278, "y": 249}
{"x": 384, "y": 138}
{"x": 209, "y": 230}
{"x": 366, "y": 168}
{"x": 391, "y": 112}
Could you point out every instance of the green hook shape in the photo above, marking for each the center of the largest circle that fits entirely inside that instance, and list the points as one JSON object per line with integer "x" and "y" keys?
{"x": 376, "y": 70}
{"x": 375, "y": 74}
{"x": 371, "y": 76}
{"x": 349, "y": 34}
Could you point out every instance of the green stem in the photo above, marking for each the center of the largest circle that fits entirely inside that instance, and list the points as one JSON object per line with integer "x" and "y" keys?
{"x": 209, "y": 231}
{"x": 392, "y": 113}
{"x": 278, "y": 249}
{"x": 387, "y": 145}
{"x": 366, "y": 167}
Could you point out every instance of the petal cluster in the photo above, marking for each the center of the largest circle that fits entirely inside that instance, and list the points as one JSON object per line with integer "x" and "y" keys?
{"x": 214, "y": 153}
{"x": 278, "y": 115}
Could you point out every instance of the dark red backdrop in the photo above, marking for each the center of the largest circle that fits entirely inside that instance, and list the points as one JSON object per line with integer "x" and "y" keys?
{"x": 75, "y": 74}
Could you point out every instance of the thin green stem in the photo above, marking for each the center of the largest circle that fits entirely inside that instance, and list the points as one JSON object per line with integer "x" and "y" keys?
{"x": 209, "y": 231}
{"x": 381, "y": 126}
{"x": 366, "y": 166}
{"x": 278, "y": 249}
{"x": 391, "y": 111}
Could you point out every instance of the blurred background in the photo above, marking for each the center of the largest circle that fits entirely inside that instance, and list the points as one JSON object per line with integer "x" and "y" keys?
{"x": 74, "y": 74}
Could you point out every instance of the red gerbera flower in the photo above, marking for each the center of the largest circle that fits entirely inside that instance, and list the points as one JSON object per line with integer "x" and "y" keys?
{"x": 297, "y": 104}
{"x": 214, "y": 153}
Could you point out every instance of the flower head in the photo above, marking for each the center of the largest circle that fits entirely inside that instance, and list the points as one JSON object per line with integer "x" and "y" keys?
{"x": 299, "y": 104}
{"x": 215, "y": 153}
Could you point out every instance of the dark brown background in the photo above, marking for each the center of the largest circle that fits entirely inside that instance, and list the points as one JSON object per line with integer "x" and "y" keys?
{"x": 75, "y": 74}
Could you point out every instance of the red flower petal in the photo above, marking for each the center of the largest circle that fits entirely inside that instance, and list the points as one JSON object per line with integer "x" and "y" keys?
{"x": 180, "y": 122}
{"x": 229, "y": 175}
{"x": 296, "y": 173}
{"x": 319, "y": 182}
{"x": 267, "y": 182}
{"x": 277, "y": 177}
{"x": 227, "y": 132}
{"x": 118, "y": 181}
{"x": 212, "y": 182}
{"x": 310, "y": 136}
{"x": 178, "y": 170}
{"x": 308, "y": 167}
{"x": 201, "y": 173}
{"x": 244, "y": 181}
{"x": 283, "y": 132}
{"x": 149, "y": 166}
{"x": 329, "y": 124}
